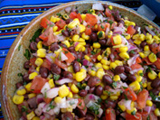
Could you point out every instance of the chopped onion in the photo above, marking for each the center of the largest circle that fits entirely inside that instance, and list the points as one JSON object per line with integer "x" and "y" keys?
{"x": 85, "y": 62}
{"x": 64, "y": 80}
{"x": 123, "y": 76}
{"x": 87, "y": 88}
{"x": 60, "y": 37}
{"x": 136, "y": 70}
{"x": 62, "y": 103}
{"x": 84, "y": 23}
{"x": 68, "y": 9}
{"x": 132, "y": 60}
{"x": 39, "y": 98}
{"x": 90, "y": 97}
{"x": 76, "y": 43}
{"x": 63, "y": 56}
{"x": 126, "y": 103}
{"x": 49, "y": 55}
{"x": 147, "y": 109}
{"x": 149, "y": 30}
{"x": 97, "y": 6}
{"x": 100, "y": 112}
{"x": 118, "y": 30}
{"x": 39, "y": 110}
{"x": 72, "y": 102}
{"x": 45, "y": 88}
{"x": 52, "y": 92}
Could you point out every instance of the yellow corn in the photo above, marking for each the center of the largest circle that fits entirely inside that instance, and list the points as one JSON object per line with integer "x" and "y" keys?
{"x": 39, "y": 44}
{"x": 131, "y": 110}
{"x": 30, "y": 116}
{"x": 101, "y": 34}
{"x": 28, "y": 86}
{"x": 139, "y": 78}
{"x": 157, "y": 112}
{"x": 122, "y": 107}
{"x": 113, "y": 97}
{"x": 150, "y": 26}
{"x": 67, "y": 43}
{"x": 149, "y": 103}
{"x": 142, "y": 37}
{"x": 132, "y": 23}
{"x": 150, "y": 41}
{"x": 103, "y": 61}
{"x": 92, "y": 73}
{"x": 74, "y": 88}
{"x": 96, "y": 45}
{"x": 159, "y": 74}
{"x": 84, "y": 36}
{"x": 152, "y": 75}
{"x": 105, "y": 67}
{"x": 135, "y": 85}
{"x": 152, "y": 57}
{"x": 117, "y": 39}
{"x": 103, "y": 97}
{"x": 57, "y": 100}
{"x": 33, "y": 75}
{"x": 74, "y": 23}
{"x": 141, "y": 54}
{"x": 137, "y": 42}
{"x": 128, "y": 37}
{"x": 70, "y": 69}
{"x": 38, "y": 68}
{"x": 80, "y": 75}
{"x": 149, "y": 86}
{"x": 18, "y": 99}
{"x": 69, "y": 109}
{"x": 148, "y": 36}
{"x": 87, "y": 57}
{"x": 63, "y": 91}
{"x": 110, "y": 33}
{"x": 78, "y": 47}
{"x": 116, "y": 78}
{"x": 70, "y": 95}
{"x": 39, "y": 61}
{"x": 54, "y": 19}
{"x": 118, "y": 62}
{"x": 83, "y": 16}
{"x": 36, "y": 118}
{"x": 113, "y": 65}
{"x": 156, "y": 38}
{"x": 98, "y": 65}
{"x": 110, "y": 7}
{"x": 146, "y": 48}
{"x": 99, "y": 57}
{"x": 55, "y": 28}
{"x": 65, "y": 16}
{"x": 41, "y": 52}
{"x": 51, "y": 83}
{"x": 81, "y": 40}
{"x": 82, "y": 28}
{"x": 144, "y": 84}
{"x": 75, "y": 38}
{"x": 140, "y": 72}
{"x": 124, "y": 55}
{"x": 21, "y": 92}
{"x": 123, "y": 49}
{"x": 31, "y": 95}
{"x": 100, "y": 73}
{"x": 83, "y": 49}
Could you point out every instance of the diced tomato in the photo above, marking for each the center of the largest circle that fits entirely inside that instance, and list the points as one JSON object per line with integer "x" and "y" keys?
{"x": 43, "y": 36}
{"x": 103, "y": 26}
{"x": 108, "y": 12}
{"x": 147, "y": 61}
{"x": 112, "y": 42}
{"x": 60, "y": 64}
{"x": 61, "y": 23}
{"x": 157, "y": 63}
{"x": 44, "y": 22}
{"x": 37, "y": 84}
{"x": 69, "y": 55}
{"x": 32, "y": 61}
{"x": 138, "y": 60}
{"x": 79, "y": 17}
{"x": 130, "y": 30}
{"x": 88, "y": 31}
{"x": 136, "y": 66}
{"x": 152, "y": 116}
{"x": 142, "y": 98}
{"x": 81, "y": 105}
{"x": 91, "y": 19}
{"x": 46, "y": 64}
{"x": 47, "y": 100}
{"x": 144, "y": 115}
{"x": 155, "y": 48}
{"x": 110, "y": 114}
{"x": 130, "y": 94}
{"x": 73, "y": 15}
{"x": 137, "y": 116}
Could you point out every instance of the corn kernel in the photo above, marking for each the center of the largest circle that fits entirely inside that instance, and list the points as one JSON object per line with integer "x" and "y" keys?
{"x": 117, "y": 39}
{"x": 128, "y": 37}
{"x": 31, "y": 95}
{"x": 136, "y": 36}
{"x": 150, "y": 41}
{"x": 122, "y": 107}
{"x": 146, "y": 48}
{"x": 70, "y": 95}
{"x": 55, "y": 28}
{"x": 69, "y": 109}
{"x": 132, "y": 23}
{"x": 83, "y": 16}
{"x": 157, "y": 112}
{"x": 32, "y": 75}
{"x": 84, "y": 36}
{"x": 100, "y": 73}
{"x": 54, "y": 19}
{"x": 152, "y": 75}
{"x": 96, "y": 45}
{"x": 149, "y": 86}
{"x": 140, "y": 72}
{"x": 110, "y": 7}
{"x": 67, "y": 43}
{"x": 65, "y": 16}
{"x": 70, "y": 69}
{"x": 87, "y": 57}
{"x": 103, "y": 97}
{"x": 110, "y": 33}
{"x": 113, "y": 97}
{"x": 39, "y": 61}
{"x": 139, "y": 78}
{"x": 36, "y": 118}
{"x": 137, "y": 42}
{"x": 105, "y": 67}
{"x": 103, "y": 61}
{"x": 123, "y": 49}
{"x": 141, "y": 54}
{"x": 21, "y": 92}
{"x": 92, "y": 73}
{"x": 132, "y": 104}
{"x": 63, "y": 91}
{"x": 57, "y": 100}
{"x": 41, "y": 52}
{"x": 28, "y": 86}
{"x": 131, "y": 110}
{"x": 98, "y": 65}
{"x": 126, "y": 22}
{"x": 141, "y": 37}
{"x": 80, "y": 76}
{"x": 152, "y": 57}
{"x": 101, "y": 34}
{"x": 118, "y": 62}
{"x": 74, "y": 23}
{"x": 99, "y": 57}
{"x": 83, "y": 49}
{"x": 75, "y": 38}
{"x": 38, "y": 68}
{"x": 124, "y": 55}
{"x": 113, "y": 65}
{"x": 108, "y": 51}
{"x": 30, "y": 115}
{"x": 51, "y": 83}
{"x": 82, "y": 28}
{"x": 149, "y": 103}
{"x": 159, "y": 74}
{"x": 39, "y": 44}
{"x": 156, "y": 38}
{"x": 78, "y": 47}
{"x": 135, "y": 85}
{"x": 144, "y": 84}
{"x": 116, "y": 78}
{"x": 18, "y": 99}
{"x": 74, "y": 88}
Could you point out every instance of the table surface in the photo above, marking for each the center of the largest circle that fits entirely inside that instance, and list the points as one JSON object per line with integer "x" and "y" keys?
{"x": 16, "y": 14}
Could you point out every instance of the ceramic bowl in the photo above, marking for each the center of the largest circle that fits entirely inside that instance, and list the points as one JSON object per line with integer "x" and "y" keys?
{"x": 15, "y": 58}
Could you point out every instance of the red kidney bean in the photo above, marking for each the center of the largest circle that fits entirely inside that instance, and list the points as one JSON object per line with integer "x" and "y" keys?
{"x": 143, "y": 44}
{"x": 67, "y": 116}
{"x": 155, "y": 83}
{"x": 76, "y": 66}
{"x": 79, "y": 55}
{"x": 131, "y": 77}
{"x": 107, "y": 79}
{"x": 127, "y": 68}
{"x": 121, "y": 21}
{"x": 69, "y": 20}
{"x": 119, "y": 69}
{"x": 33, "y": 46}
{"x": 87, "y": 77}
{"x": 109, "y": 103}
{"x": 26, "y": 77}
{"x": 91, "y": 90}
{"x": 93, "y": 81}
{"x": 54, "y": 47}
{"x": 67, "y": 74}
{"x": 65, "y": 33}
{"x": 93, "y": 37}
{"x": 71, "y": 49}
{"x": 63, "y": 45}
{"x": 71, "y": 33}
{"x": 26, "y": 65}
{"x": 158, "y": 54}
{"x": 44, "y": 72}
{"x": 55, "y": 69}
{"x": 26, "y": 97}
{"x": 82, "y": 93}
{"x": 19, "y": 84}
{"x": 32, "y": 103}
{"x": 103, "y": 42}
{"x": 89, "y": 117}
{"x": 107, "y": 87}
{"x": 99, "y": 90}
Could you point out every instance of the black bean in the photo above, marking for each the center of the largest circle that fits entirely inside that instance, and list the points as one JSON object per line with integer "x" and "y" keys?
{"x": 69, "y": 20}
{"x": 67, "y": 116}
{"x": 109, "y": 103}
{"x": 44, "y": 72}
{"x": 67, "y": 74}
{"x": 26, "y": 77}
{"x": 33, "y": 46}
{"x": 158, "y": 54}
{"x": 143, "y": 44}
{"x": 131, "y": 77}
{"x": 71, "y": 49}
{"x": 103, "y": 42}
{"x": 71, "y": 33}
{"x": 87, "y": 77}
{"x": 38, "y": 39}
{"x": 26, "y": 65}
{"x": 107, "y": 79}
{"x": 55, "y": 69}
{"x": 80, "y": 112}
{"x": 79, "y": 55}
{"x": 76, "y": 66}
{"x": 54, "y": 47}
{"x": 83, "y": 93}
{"x": 19, "y": 84}
{"x": 93, "y": 37}
{"x": 155, "y": 83}
{"x": 65, "y": 33}
{"x": 89, "y": 117}
{"x": 119, "y": 70}
{"x": 91, "y": 90}
{"x": 93, "y": 81}
{"x": 99, "y": 90}
{"x": 127, "y": 68}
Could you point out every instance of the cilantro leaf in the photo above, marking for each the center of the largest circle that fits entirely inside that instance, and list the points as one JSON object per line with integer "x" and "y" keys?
{"x": 19, "y": 47}
{"x": 27, "y": 54}
{"x": 56, "y": 77}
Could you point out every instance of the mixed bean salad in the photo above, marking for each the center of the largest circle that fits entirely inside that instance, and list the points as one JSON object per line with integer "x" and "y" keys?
{"x": 91, "y": 65}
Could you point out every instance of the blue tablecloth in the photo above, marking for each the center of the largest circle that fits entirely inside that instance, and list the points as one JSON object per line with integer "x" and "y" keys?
{"x": 16, "y": 14}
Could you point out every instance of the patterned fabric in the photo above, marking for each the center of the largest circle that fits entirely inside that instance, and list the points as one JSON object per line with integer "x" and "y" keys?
{"x": 16, "y": 14}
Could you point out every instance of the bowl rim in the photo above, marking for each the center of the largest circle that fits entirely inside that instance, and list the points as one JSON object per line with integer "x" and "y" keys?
{"x": 7, "y": 113}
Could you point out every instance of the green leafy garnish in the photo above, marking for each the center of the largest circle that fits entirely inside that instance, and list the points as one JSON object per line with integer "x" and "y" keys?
{"x": 36, "y": 34}
{"x": 133, "y": 113}
{"x": 102, "y": 26}
{"x": 93, "y": 53}
{"x": 19, "y": 74}
{"x": 94, "y": 108}
{"x": 132, "y": 51}
{"x": 148, "y": 118}
{"x": 19, "y": 47}
{"x": 24, "y": 109}
{"x": 110, "y": 22}
{"x": 125, "y": 96}
{"x": 100, "y": 34}
{"x": 27, "y": 54}
{"x": 56, "y": 77}
{"x": 141, "y": 74}
{"x": 59, "y": 14}
{"x": 79, "y": 60}
{"x": 114, "y": 84}
{"x": 152, "y": 95}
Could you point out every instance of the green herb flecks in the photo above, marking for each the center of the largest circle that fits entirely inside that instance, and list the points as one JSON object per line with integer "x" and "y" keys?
{"x": 27, "y": 54}
{"x": 125, "y": 96}
{"x": 110, "y": 22}
{"x": 100, "y": 34}
{"x": 94, "y": 108}
{"x": 56, "y": 77}
{"x": 102, "y": 26}
{"x": 132, "y": 51}
{"x": 114, "y": 84}
{"x": 93, "y": 53}
{"x": 19, "y": 74}
{"x": 152, "y": 95}
{"x": 59, "y": 14}
{"x": 79, "y": 60}
{"x": 24, "y": 109}
{"x": 133, "y": 113}
{"x": 19, "y": 47}
{"x": 141, "y": 74}
{"x": 36, "y": 35}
